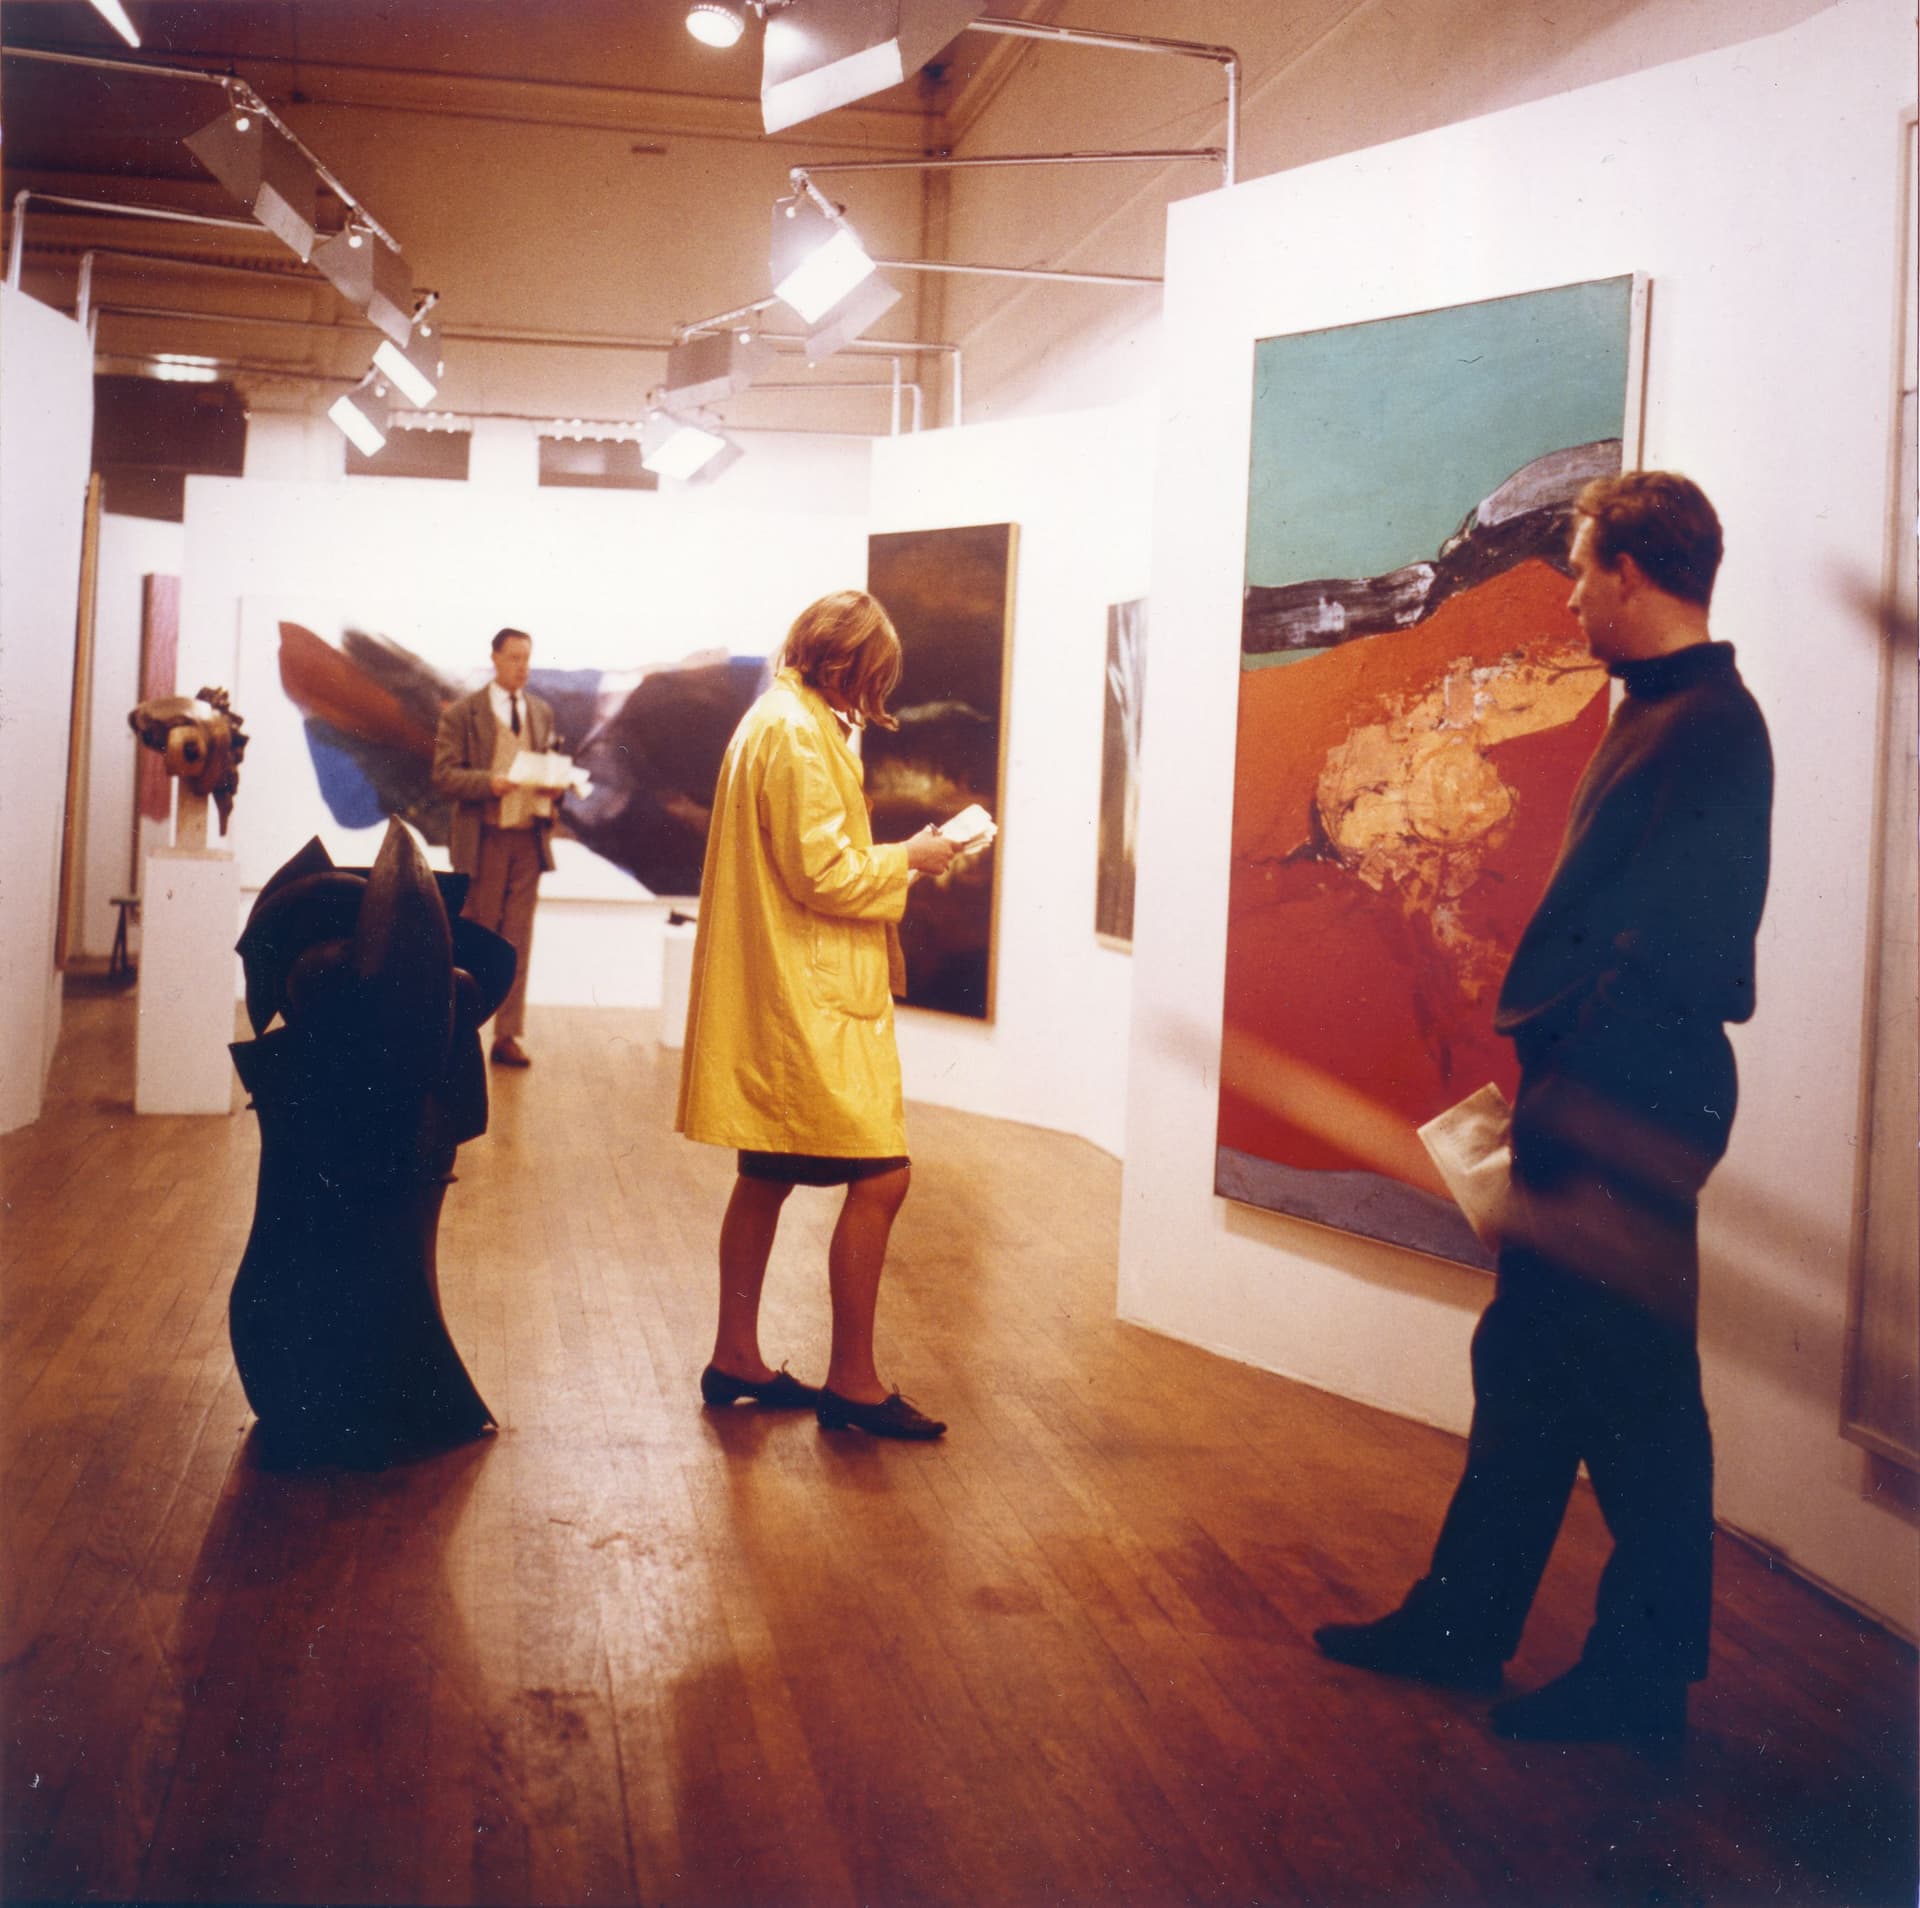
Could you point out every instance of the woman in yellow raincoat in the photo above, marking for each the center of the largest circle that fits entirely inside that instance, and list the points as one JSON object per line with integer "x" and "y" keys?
{"x": 790, "y": 1055}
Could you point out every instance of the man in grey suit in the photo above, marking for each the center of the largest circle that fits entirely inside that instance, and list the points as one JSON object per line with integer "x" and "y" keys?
{"x": 500, "y": 826}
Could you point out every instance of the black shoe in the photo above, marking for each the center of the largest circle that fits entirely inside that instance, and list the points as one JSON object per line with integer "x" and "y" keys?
{"x": 892, "y": 1417}
{"x": 1595, "y": 1705}
{"x": 1402, "y": 1644}
{"x": 782, "y": 1392}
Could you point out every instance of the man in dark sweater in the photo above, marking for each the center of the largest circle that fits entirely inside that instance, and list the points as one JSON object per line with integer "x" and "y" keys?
{"x": 1640, "y": 950}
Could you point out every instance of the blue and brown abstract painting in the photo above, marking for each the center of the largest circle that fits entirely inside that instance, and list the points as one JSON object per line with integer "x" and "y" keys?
{"x": 650, "y": 740}
{"x": 1416, "y": 707}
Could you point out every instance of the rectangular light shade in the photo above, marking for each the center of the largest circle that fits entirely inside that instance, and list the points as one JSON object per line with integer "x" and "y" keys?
{"x": 363, "y": 417}
{"x": 371, "y": 275}
{"x": 265, "y": 171}
{"x": 414, "y": 367}
{"x": 865, "y": 305}
{"x": 815, "y": 261}
{"x": 820, "y": 54}
{"x": 715, "y": 365}
{"x": 671, "y": 447}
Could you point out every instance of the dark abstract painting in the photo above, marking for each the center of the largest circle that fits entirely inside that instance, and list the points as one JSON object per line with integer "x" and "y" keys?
{"x": 950, "y": 594}
{"x": 650, "y": 740}
{"x": 1416, "y": 707}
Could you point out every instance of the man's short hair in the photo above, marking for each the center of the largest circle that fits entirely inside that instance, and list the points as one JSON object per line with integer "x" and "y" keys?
{"x": 502, "y": 637}
{"x": 1664, "y": 522}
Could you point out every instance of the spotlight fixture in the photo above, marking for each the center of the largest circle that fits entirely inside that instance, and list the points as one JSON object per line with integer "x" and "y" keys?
{"x": 862, "y": 308}
{"x": 826, "y": 53}
{"x": 115, "y": 16}
{"x": 363, "y": 414}
{"x": 715, "y": 22}
{"x": 816, "y": 259}
{"x": 712, "y": 366}
{"x": 373, "y": 276}
{"x": 265, "y": 171}
{"x": 415, "y": 367}
{"x": 676, "y": 447}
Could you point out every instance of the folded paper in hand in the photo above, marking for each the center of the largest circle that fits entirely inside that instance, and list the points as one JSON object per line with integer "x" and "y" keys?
{"x": 1472, "y": 1146}
{"x": 972, "y": 828}
{"x": 547, "y": 768}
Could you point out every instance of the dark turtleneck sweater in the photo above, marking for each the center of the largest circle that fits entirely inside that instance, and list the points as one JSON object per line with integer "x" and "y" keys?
{"x": 1649, "y": 918}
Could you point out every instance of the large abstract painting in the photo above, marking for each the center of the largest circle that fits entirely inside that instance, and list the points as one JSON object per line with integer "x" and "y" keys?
{"x": 1120, "y": 772}
{"x": 1416, "y": 707}
{"x": 950, "y": 594}
{"x": 349, "y": 705}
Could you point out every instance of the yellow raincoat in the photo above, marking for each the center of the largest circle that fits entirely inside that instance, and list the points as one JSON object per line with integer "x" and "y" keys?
{"x": 790, "y": 1044}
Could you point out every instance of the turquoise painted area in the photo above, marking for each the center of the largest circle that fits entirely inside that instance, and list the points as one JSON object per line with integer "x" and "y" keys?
{"x": 1277, "y": 659}
{"x": 1371, "y": 442}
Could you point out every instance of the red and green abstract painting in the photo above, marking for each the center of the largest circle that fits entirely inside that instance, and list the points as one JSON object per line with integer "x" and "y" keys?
{"x": 1416, "y": 707}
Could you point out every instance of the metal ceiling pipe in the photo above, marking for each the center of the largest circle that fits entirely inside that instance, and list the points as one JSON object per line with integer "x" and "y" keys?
{"x": 243, "y": 97}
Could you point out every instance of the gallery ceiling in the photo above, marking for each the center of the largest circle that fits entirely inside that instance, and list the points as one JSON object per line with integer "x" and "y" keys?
{"x": 575, "y": 179}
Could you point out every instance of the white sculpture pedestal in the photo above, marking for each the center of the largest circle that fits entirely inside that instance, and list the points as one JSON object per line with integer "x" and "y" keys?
{"x": 676, "y": 983}
{"x": 189, "y": 920}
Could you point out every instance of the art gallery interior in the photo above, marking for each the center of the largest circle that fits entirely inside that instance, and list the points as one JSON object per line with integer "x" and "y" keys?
{"x": 625, "y": 1651}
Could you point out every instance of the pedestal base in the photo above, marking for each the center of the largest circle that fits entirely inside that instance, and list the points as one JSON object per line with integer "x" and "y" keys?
{"x": 189, "y": 917}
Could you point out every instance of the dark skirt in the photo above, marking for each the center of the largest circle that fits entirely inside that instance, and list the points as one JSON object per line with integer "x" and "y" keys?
{"x": 812, "y": 1169}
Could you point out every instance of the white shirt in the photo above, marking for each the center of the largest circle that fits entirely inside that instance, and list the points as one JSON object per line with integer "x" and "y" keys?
{"x": 503, "y": 709}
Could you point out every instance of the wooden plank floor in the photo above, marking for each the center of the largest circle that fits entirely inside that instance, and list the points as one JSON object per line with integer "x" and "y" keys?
{"x": 628, "y": 1652}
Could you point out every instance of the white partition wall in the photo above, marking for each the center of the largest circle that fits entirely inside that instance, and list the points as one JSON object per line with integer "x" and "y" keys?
{"x": 1079, "y": 485}
{"x": 46, "y": 427}
{"x": 1759, "y": 188}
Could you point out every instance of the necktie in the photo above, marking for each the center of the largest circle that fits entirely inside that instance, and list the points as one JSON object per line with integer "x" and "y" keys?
{"x": 514, "y": 703}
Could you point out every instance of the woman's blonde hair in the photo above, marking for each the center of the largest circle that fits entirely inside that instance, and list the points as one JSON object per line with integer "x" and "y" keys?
{"x": 846, "y": 643}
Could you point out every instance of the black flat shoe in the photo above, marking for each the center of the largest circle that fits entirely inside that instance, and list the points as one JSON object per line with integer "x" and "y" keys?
{"x": 782, "y": 1392}
{"x": 1398, "y": 1644}
{"x": 892, "y": 1417}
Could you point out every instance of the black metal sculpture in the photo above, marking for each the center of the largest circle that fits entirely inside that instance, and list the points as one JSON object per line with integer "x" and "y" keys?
{"x": 363, "y": 1092}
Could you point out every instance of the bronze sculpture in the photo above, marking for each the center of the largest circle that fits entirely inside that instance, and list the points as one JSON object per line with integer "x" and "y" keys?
{"x": 366, "y": 1086}
{"x": 201, "y": 739}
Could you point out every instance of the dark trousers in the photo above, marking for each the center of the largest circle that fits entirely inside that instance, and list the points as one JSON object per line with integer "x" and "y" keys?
{"x": 1588, "y": 1353}
{"x": 1564, "y": 1370}
{"x": 504, "y": 888}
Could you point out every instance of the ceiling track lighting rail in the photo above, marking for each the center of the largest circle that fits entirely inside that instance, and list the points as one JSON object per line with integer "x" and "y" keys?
{"x": 159, "y": 213}
{"x": 945, "y": 162}
{"x": 240, "y": 96}
{"x": 1222, "y": 56}
{"x": 897, "y": 388}
{"x": 1044, "y": 273}
{"x": 348, "y": 329}
{"x": 802, "y": 180}
{"x": 792, "y": 341}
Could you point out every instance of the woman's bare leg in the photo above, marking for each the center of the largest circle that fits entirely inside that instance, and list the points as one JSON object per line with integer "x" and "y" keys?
{"x": 746, "y": 1243}
{"x": 854, "y": 1263}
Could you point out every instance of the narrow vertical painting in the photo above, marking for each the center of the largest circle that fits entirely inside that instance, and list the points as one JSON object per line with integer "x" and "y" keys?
{"x": 1120, "y": 772}
{"x": 1416, "y": 706}
{"x": 950, "y": 594}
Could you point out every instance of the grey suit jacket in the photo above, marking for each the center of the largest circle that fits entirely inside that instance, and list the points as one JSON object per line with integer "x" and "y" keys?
{"x": 463, "y": 769}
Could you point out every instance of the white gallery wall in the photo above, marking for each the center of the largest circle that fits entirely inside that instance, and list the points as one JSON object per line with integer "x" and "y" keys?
{"x": 1759, "y": 188}
{"x": 46, "y": 426}
{"x": 1079, "y": 486}
{"x": 601, "y": 578}
{"x": 1318, "y": 78}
